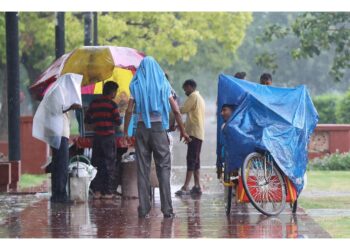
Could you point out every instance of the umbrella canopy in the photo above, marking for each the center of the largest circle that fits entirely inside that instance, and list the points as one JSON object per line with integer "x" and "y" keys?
{"x": 96, "y": 64}
{"x": 279, "y": 120}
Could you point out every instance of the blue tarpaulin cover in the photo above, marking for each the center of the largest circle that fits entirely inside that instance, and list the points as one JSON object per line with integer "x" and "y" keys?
{"x": 151, "y": 90}
{"x": 279, "y": 120}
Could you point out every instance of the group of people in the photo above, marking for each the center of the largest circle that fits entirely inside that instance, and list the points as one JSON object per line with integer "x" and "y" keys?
{"x": 265, "y": 78}
{"x": 154, "y": 106}
{"x": 153, "y": 103}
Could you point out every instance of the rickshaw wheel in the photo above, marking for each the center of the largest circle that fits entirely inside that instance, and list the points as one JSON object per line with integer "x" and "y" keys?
{"x": 228, "y": 199}
{"x": 265, "y": 188}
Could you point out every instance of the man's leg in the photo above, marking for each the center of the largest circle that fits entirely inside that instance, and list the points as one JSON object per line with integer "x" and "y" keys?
{"x": 189, "y": 174}
{"x": 197, "y": 178}
{"x": 97, "y": 162}
{"x": 60, "y": 172}
{"x": 63, "y": 179}
{"x": 109, "y": 156}
{"x": 53, "y": 174}
{"x": 162, "y": 159}
{"x": 198, "y": 148}
{"x": 143, "y": 161}
{"x": 191, "y": 161}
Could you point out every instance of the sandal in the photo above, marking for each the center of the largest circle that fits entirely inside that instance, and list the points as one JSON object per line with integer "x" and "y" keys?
{"x": 196, "y": 190}
{"x": 182, "y": 192}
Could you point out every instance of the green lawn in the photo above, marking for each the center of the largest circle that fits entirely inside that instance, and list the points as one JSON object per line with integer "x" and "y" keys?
{"x": 30, "y": 180}
{"x": 337, "y": 226}
{"x": 338, "y": 202}
{"x": 329, "y": 182}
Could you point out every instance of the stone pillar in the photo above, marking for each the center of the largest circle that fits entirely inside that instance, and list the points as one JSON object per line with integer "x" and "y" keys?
{"x": 15, "y": 175}
{"x": 5, "y": 176}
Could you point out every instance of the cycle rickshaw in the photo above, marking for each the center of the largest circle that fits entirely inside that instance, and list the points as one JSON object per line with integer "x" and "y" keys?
{"x": 264, "y": 143}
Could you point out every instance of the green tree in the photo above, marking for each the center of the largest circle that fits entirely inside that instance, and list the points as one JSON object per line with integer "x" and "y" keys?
{"x": 326, "y": 106}
{"x": 209, "y": 39}
{"x": 37, "y": 51}
{"x": 318, "y": 33}
{"x": 343, "y": 109}
{"x": 275, "y": 57}
{"x": 37, "y": 38}
{"x": 173, "y": 37}
{"x": 170, "y": 37}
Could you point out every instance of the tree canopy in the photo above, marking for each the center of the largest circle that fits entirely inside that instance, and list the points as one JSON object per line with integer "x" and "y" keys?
{"x": 169, "y": 37}
{"x": 173, "y": 37}
{"x": 263, "y": 52}
{"x": 317, "y": 33}
{"x": 198, "y": 39}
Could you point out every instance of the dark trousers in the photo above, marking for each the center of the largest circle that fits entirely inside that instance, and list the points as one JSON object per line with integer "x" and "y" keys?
{"x": 104, "y": 159}
{"x": 59, "y": 172}
{"x": 193, "y": 154}
{"x": 148, "y": 141}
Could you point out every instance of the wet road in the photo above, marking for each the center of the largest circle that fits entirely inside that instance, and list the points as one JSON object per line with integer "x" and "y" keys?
{"x": 33, "y": 216}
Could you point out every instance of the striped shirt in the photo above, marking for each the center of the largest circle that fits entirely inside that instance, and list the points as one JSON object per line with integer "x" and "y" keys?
{"x": 104, "y": 114}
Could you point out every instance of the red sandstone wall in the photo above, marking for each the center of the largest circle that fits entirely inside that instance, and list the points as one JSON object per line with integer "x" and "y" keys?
{"x": 328, "y": 139}
{"x": 34, "y": 153}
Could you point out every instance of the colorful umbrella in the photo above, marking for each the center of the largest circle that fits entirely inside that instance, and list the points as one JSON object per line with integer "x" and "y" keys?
{"x": 96, "y": 64}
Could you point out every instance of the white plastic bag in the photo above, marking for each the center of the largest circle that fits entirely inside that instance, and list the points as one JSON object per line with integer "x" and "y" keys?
{"x": 48, "y": 119}
{"x": 81, "y": 175}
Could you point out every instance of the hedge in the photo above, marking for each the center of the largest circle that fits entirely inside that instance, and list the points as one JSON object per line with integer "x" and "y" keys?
{"x": 336, "y": 161}
{"x": 333, "y": 108}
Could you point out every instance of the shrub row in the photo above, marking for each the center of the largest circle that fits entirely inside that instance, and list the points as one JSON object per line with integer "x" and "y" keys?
{"x": 336, "y": 161}
{"x": 333, "y": 108}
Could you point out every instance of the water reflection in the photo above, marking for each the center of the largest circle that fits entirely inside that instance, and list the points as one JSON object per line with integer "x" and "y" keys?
{"x": 167, "y": 228}
{"x": 260, "y": 226}
{"x": 59, "y": 221}
{"x": 70, "y": 221}
{"x": 106, "y": 218}
{"x": 197, "y": 217}
{"x": 193, "y": 214}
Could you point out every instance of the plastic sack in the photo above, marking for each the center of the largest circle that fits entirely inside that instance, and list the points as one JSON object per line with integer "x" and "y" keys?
{"x": 267, "y": 118}
{"x": 48, "y": 119}
{"x": 81, "y": 174}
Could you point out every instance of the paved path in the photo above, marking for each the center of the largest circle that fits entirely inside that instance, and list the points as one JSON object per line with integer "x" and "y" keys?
{"x": 33, "y": 216}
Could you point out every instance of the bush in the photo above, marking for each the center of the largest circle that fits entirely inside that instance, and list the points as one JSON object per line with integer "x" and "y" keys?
{"x": 336, "y": 161}
{"x": 326, "y": 106}
{"x": 343, "y": 109}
